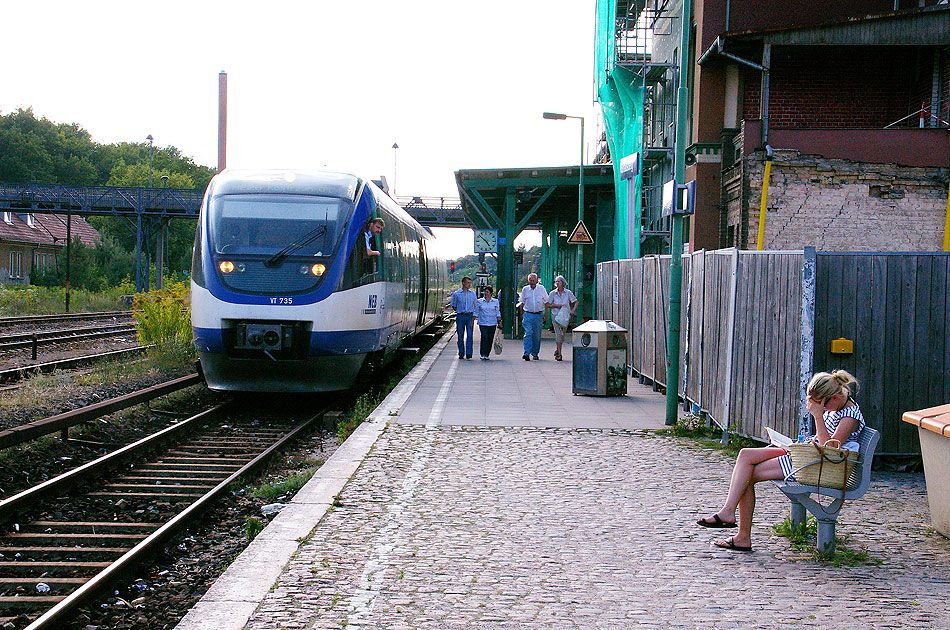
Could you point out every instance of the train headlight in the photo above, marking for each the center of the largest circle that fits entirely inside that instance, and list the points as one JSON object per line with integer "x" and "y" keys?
{"x": 304, "y": 269}
{"x": 226, "y": 266}
{"x": 318, "y": 269}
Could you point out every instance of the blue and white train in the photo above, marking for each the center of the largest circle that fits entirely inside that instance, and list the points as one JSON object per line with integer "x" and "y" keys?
{"x": 283, "y": 295}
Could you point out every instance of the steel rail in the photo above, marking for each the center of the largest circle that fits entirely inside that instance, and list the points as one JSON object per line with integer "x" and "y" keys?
{"x": 155, "y": 540}
{"x": 46, "y": 334}
{"x": 43, "y": 319}
{"x": 48, "y": 341}
{"x": 11, "y": 506}
{"x": 32, "y": 430}
{"x": 18, "y": 373}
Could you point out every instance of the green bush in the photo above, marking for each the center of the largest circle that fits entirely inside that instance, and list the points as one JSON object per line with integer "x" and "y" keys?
{"x": 279, "y": 487}
{"x": 163, "y": 316}
{"x": 252, "y": 527}
{"x": 36, "y": 300}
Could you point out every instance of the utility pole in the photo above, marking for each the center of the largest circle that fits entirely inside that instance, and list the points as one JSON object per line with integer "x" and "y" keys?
{"x": 69, "y": 238}
{"x": 676, "y": 238}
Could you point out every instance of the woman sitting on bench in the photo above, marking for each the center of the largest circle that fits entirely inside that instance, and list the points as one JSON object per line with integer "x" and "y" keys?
{"x": 837, "y": 417}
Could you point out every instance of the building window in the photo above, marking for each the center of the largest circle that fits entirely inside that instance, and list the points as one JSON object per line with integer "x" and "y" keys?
{"x": 30, "y": 221}
{"x": 8, "y": 217}
{"x": 40, "y": 263}
{"x": 16, "y": 264}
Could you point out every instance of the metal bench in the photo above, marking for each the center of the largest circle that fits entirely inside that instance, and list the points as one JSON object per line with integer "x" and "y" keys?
{"x": 827, "y": 517}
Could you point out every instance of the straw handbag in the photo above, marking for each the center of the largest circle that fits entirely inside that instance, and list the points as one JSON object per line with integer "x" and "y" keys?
{"x": 825, "y": 466}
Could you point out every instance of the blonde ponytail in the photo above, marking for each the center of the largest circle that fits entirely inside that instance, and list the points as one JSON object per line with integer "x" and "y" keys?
{"x": 824, "y": 385}
{"x": 848, "y": 383}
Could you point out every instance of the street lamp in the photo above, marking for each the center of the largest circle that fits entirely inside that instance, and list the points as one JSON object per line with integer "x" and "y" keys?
{"x": 139, "y": 244}
{"x": 395, "y": 149}
{"x": 579, "y": 279}
{"x": 149, "y": 138}
{"x": 580, "y": 190}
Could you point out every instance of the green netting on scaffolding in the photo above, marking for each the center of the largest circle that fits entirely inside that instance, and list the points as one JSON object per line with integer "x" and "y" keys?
{"x": 620, "y": 93}
{"x": 604, "y": 45}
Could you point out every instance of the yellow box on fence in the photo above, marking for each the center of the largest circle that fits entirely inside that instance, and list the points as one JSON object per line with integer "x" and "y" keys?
{"x": 842, "y": 346}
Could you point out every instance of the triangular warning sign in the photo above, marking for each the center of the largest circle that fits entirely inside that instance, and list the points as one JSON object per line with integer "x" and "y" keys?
{"x": 580, "y": 235}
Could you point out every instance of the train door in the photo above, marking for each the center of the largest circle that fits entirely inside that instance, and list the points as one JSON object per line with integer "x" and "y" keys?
{"x": 423, "y": 283}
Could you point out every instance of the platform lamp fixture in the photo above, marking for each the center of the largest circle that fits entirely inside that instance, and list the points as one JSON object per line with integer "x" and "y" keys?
{"x": 395, "y": 149}
{"x": 150, "y": 139}
{"x": 580, "y": 190}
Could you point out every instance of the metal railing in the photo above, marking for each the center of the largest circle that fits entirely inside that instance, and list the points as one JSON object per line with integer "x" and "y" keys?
{"x": 54, "y": 199}
{"x": 435, "y": 211}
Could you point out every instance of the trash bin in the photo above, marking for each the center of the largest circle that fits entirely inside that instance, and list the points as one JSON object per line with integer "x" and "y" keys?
{"x": 600, "y": 358}
{"x": 933, "y": 427}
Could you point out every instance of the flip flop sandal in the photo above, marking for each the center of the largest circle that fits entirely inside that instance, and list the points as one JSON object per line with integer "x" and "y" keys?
{"x": 717, "y": 523}
{"x": 731, "y": 545}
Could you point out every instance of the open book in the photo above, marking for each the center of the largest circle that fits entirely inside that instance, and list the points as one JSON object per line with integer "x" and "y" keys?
{"x": 777, "y": 439}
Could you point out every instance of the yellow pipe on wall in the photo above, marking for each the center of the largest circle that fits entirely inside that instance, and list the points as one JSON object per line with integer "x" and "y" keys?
{"x": 765, "y": 194}
{"x": 946, "y": 224}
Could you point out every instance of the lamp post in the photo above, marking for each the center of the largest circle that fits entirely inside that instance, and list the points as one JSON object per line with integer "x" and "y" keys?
{"x": 138, "y": 229}
{"x": 580, "y": 192}
{"x": 580, "y": 189}
{"x": 149, "y": 138}
{"x": 395, "y": 149}
{"x": 676, "y": 223}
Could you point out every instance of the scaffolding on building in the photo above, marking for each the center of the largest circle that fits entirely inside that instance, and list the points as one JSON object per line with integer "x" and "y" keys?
{"x": 637, "y": 25}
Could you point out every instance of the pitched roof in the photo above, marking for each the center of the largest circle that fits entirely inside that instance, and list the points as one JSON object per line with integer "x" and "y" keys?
{"x": 49, "y": 229}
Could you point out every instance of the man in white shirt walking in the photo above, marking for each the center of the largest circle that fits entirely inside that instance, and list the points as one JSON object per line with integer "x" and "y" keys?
{"x": 463, "y": 301}
{"x": 533, "y": 299}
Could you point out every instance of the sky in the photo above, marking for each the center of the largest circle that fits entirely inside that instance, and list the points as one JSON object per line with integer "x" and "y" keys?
{"x": 318, "y": 84}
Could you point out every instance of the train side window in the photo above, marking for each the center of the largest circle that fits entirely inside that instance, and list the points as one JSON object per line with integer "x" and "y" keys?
{"x": 360, "y": 268}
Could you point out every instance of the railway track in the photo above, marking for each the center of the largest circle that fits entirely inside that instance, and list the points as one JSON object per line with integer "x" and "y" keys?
{"x": 66, "y": 550}
{"x": 22, "y": 320}
{"x": 26, "y": 340}
{"x": 12, "y": 375}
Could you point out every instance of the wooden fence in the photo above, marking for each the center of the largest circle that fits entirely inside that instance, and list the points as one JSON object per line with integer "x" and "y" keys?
{"x": 755, "y": 325}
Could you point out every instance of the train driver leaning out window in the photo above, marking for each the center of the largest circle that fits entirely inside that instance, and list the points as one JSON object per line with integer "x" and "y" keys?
{"x": 373, "y": 228}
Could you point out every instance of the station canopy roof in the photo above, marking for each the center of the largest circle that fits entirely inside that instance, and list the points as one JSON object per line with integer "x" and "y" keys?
{"x": 541, "y": 193}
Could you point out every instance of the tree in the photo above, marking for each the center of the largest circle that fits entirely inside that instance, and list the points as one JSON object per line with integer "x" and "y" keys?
{"x": 37, "y": 150}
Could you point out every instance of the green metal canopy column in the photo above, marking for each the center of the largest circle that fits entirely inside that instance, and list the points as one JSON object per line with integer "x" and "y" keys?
{"x": 512, "y": 200}
{"x": 507, "y": 254}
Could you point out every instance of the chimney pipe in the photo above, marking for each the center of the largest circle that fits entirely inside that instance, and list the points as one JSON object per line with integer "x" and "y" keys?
{"x": 222, "y": 120}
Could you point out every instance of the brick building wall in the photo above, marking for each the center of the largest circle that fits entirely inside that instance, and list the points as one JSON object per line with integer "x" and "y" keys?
{"x": 840, "y": 205}
{"x": 751, "y": 94}
{"x": 841, "y": 86}
{"x": 732, "y": 232}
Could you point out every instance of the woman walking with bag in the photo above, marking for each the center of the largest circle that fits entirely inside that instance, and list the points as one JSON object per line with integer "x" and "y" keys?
{"x": 562, "y": 303}
{"x": 837, "y": 417}
{"x": 488, "y": 315}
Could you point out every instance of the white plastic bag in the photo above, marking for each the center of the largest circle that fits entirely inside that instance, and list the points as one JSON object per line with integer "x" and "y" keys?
{"x": 498, "y": 346}
{"x": 563, "y": 316}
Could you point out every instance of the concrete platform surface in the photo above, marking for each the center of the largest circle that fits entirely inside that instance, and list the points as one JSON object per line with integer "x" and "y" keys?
{"x": 509, "y": 391}
{"x": 485, "y": 495}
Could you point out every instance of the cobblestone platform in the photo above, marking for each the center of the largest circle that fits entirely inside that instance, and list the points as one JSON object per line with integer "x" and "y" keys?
{"x": 466, "y": 525}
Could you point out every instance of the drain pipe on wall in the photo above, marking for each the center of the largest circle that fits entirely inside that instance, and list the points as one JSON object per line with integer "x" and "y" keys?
{"x": 946, "y": 223}
{"x": 718, "y": 48}
{"x": 765, "y": 193}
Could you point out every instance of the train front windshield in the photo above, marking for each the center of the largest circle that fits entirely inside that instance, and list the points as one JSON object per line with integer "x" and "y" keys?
{"x": 267, "y": 225}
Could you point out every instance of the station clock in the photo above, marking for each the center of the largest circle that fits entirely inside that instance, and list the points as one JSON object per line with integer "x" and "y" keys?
{"x": 486, "y": 241}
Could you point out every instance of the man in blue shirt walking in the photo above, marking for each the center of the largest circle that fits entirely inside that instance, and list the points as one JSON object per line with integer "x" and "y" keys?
{"x": 463, "y": 301}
